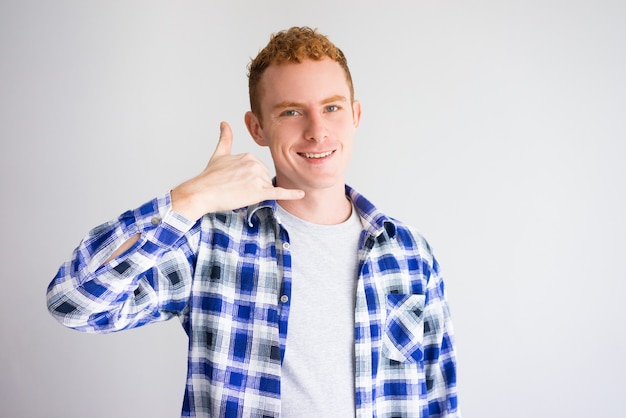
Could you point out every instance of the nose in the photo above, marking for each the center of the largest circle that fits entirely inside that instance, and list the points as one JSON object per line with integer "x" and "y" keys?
{"x": 316, "y": 129}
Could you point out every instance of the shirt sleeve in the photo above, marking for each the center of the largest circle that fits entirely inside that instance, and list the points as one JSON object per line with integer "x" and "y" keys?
{"x": 440, "y": 356}
{"x": 149, "y": 282}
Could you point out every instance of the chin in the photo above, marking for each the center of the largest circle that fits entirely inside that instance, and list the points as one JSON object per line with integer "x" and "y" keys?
{"x": 322, "y": 185}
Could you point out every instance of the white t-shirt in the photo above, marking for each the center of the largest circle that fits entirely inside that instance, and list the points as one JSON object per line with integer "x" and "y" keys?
{"x": 318, "y": 368}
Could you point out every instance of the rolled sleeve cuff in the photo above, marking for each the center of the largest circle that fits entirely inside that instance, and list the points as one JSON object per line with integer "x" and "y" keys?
{"x": 160, "y": 227}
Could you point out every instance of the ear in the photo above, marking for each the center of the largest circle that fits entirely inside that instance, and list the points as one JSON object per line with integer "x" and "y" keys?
{"x": 356, "y": 113}
{"x": 254, "y": 127}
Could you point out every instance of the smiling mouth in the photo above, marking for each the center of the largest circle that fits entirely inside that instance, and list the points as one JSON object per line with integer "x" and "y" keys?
{"x": 316, "y": 156}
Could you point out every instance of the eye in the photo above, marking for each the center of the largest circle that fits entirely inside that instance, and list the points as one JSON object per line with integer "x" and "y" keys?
{"x": 332, "y": 108}
{"x": 289, "y": 112}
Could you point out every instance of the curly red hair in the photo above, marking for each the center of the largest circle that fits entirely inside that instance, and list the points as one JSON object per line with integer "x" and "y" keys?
{"x": 292, "y": 46}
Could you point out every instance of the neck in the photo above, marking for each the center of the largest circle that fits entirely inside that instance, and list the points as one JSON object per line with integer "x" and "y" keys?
{"x": 323, "y": 207}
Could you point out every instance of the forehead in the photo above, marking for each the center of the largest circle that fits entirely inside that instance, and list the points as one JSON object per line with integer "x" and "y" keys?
{"x": 303, "y": 82}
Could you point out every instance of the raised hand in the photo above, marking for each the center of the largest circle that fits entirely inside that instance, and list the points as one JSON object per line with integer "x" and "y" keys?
{"x": 228, "y": 182}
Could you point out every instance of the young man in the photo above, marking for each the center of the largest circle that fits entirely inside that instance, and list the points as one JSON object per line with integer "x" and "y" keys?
{"x": 298, "y": 296}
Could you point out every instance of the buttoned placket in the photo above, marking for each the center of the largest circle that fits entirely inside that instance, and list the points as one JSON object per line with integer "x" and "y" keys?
{"x": 283, "y": 253}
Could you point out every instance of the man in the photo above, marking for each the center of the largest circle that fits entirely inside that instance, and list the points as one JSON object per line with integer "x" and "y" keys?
{"x": 298, "y": 296}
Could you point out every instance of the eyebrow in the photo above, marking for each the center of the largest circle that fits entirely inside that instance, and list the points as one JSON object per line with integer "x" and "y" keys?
{"x": 331, "y": 99}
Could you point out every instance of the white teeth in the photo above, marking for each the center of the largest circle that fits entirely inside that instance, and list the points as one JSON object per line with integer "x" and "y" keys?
{"x": 322, "y": 155}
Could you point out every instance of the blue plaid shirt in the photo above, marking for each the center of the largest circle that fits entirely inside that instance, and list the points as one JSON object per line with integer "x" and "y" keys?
{"x": 228, "y": 278}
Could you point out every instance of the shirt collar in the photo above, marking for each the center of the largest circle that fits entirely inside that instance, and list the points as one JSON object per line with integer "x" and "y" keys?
{"x": 252, "y": 210}
{"x": 374, "y": 221}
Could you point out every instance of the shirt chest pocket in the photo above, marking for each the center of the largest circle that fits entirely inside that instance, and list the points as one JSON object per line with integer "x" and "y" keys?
{"x": 404, "y": 328}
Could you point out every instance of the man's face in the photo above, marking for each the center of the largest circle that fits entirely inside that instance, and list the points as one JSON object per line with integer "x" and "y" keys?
{"x": 308, "y": 123}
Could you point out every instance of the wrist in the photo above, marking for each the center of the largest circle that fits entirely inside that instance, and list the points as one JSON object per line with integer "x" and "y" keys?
{"x": 183, "y": 204}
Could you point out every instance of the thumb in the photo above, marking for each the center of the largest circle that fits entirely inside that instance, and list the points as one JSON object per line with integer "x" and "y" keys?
{"x": 225, "y": 143}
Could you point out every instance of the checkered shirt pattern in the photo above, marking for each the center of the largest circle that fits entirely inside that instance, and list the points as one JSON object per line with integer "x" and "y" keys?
{"x": 227, "y": 278}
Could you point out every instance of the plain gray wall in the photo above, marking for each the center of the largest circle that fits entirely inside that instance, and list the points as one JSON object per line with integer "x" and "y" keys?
{"x": 497, "y": 128}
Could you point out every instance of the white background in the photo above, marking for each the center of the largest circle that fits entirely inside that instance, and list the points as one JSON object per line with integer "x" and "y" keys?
{"x": 497, "y": 128}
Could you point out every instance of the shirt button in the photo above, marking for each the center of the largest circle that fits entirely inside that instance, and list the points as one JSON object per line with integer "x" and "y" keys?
{"x": 284, "y": 298}
{"x": 285, "y": 245}
{"x": 155, "y": 221}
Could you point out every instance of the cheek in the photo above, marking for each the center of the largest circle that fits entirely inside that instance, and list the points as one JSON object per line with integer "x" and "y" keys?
{"x": 279, "y": 145}
{"x": 347, "y": 130}
{"x": 346, "y": 124}
{"x": 283, "y": 128}
{"x": 285, "y": 135}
